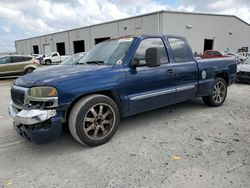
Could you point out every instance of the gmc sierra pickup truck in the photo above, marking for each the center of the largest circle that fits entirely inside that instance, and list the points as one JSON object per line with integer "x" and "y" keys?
{"x": 116, "y": 79}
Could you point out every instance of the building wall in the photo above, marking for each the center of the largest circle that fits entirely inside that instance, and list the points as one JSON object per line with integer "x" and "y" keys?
{"x": 80, "y": 34}
{"x": 139, "y": 25}
{"x": 46, "y": 40}
{"x": 202, "y": 27}
{"x": 35, "y": 42}
{"x": 213, "y": 27}
{"x": 61, "y": 37}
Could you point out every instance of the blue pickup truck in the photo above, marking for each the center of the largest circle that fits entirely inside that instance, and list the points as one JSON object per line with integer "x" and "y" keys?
{"x": 116, "y": 79}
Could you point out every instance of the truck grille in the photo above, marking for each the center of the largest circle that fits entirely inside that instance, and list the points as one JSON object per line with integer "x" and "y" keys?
{"x": 17, "y": 97}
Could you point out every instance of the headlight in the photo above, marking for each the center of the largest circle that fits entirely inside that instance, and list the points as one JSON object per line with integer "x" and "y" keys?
{"x": 43, "y": 92}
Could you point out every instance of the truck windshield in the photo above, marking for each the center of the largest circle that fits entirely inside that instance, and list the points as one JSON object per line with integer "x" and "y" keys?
{"x": 247, "y": 61}
{"x": 107, "y": 53}
{"x": 73, "y": 59}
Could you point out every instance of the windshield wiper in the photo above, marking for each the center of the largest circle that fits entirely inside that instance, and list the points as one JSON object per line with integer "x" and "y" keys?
{"x": 95, "y": 62}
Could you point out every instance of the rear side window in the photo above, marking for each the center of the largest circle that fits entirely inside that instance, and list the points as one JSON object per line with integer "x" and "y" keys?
{"x": 27, "y": 58}
{"x": 16, "y": 59}
{"x": 180, "y": 50}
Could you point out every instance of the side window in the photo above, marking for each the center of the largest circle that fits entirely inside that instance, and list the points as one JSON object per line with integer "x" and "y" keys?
{"x": 149, "y": 43}
{"x": 209, "y": 53}
{"x": 4, "y": 60}
{"x": 180, "y": 50}
{"x": 16, "y": 59}
{"x": 216, "y": 53}
{"x": 54, "y": 55}
{"x": 27, "y": 58}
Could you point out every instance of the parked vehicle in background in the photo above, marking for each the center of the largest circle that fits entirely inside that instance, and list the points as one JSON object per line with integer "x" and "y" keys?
{"x": 241, "y": 56}
{"x": 73, "y": 59}
{"x": 213, "y": 54}
{"x": 115, "y": 79}
{"x": 243, "y": 71}
{"x": 39, "y": 57}
{"x": 53, "y": 57}
{"x": 13, "y": 65}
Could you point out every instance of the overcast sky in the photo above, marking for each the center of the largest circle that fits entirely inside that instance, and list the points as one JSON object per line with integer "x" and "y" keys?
{"x": 26, "y": 18}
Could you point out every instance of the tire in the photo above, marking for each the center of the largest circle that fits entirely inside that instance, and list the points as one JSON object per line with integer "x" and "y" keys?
{"x": 47, "y": 62}
{"x": 218, "y": 95}
{"x": 29, "y": 70}
{"x": 93, "y": 125}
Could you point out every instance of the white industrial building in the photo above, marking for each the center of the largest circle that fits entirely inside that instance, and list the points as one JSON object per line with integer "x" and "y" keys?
{"x": 203, "y": 31}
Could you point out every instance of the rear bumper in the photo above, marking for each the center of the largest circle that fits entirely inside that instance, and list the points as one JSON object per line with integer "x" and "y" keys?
{"x": 38, "y": 126}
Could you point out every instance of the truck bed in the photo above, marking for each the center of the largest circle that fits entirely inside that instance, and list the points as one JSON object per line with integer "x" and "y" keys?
{"x": 211, "y": 67}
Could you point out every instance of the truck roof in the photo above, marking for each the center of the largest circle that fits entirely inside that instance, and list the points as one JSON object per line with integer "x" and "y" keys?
{"x": 146, "y": 35}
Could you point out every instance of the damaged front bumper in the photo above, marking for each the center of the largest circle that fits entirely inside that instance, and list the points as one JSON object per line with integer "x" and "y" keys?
{"x": 39, "y": 126}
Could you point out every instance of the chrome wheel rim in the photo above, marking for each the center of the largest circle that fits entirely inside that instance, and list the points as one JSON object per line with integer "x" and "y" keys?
{"x": 99, "y": 121}
{"x": 219, "y": 92}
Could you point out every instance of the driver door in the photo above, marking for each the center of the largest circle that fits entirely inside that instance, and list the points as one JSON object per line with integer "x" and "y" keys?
{"x": 150, "y": 87}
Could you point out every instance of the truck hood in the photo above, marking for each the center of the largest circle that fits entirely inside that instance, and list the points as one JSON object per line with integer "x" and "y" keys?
{"x": 51, "y": 74}
{"x": 243, "y": 67}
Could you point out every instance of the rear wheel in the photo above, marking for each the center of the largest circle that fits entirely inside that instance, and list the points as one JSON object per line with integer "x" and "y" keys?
{"x": 94, "y": 120}
{"x": 29, "y": 70}
{"x": 218, "y": 95}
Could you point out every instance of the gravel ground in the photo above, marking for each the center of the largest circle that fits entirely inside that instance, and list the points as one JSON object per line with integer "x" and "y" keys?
{"x": 182, "y": 145}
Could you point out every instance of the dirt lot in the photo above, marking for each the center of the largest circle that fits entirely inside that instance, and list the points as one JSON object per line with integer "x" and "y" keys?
{"x": 183, "y": 145}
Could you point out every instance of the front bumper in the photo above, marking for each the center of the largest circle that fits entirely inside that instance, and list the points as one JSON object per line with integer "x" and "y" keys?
{"x": 38, "y": 126}
{"x": 243, "y": 77}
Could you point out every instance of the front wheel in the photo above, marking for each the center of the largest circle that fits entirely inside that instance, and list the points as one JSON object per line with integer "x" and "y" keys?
{"x": 94, "y": 119}
{"x": 47, "y": 62}
{"x": 218, "y": 95}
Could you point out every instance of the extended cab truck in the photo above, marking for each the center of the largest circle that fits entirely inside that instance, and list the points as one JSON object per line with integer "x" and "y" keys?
{"x": 53, "y": 57}
{"x": 116, "y": 79}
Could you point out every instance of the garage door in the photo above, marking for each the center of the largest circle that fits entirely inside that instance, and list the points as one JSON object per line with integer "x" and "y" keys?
{"x": 46, "y": 48}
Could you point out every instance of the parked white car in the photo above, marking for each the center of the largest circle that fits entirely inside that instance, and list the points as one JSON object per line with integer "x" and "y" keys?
{"x": 53, "y": 57}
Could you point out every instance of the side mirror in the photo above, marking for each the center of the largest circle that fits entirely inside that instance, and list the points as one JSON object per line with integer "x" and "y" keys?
{"x": 135, "y": 62}
{"x": 152, "y": 57}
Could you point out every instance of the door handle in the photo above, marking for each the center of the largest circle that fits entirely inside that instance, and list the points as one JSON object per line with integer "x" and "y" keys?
{"x": 170, "y": 71}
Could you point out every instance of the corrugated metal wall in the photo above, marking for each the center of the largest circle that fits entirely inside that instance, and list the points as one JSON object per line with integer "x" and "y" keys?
{"x": 228, "y": 32}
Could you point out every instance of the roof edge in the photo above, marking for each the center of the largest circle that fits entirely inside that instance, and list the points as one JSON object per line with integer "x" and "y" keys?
{"x": 136, "y": 16}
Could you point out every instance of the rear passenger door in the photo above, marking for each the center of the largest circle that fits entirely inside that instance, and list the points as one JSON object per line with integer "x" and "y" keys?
{"x": 17, "y": 64}
{"x": 186, "y": 70}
